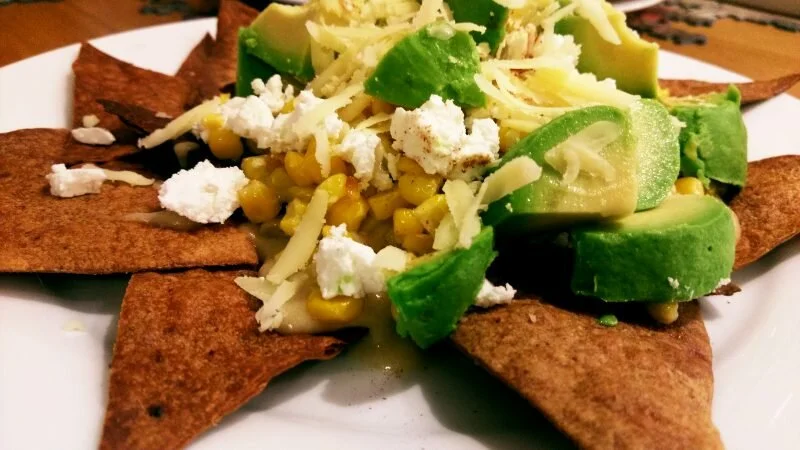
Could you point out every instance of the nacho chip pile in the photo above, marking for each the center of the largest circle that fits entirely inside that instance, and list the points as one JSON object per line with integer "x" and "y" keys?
{"x": 752, "y": 92}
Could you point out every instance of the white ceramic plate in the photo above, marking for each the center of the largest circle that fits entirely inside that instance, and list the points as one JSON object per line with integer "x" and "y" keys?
{"x": 634, "y": 5}
{"x": 52, "y": 382}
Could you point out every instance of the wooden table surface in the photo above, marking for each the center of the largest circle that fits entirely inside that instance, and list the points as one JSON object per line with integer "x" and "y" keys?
{"x": 26, "y": 29}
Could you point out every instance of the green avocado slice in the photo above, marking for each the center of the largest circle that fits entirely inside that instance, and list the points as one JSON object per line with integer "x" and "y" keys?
{"x": 431, "y": 297}
{"x": 714, "y": 140}
{"x": 267, "y": 39}
{"x": 633, "y": 63}
{"x": 678, "y": 251}
{"x": 548, "y": 202}
{"x": 488, "y": 13}
{"x": 658, "y": 151}
{"x": 248, "y": 68}
{"x": 434, "y": 60}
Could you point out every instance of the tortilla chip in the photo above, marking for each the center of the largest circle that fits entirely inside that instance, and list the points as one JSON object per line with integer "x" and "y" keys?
{"x": 211, "y": 65}
{"x": 630, "y": 386}
{"x": 43, "y": 233}
{"x": 188, "y": 352}
{"x": 752, "y": 92}
{"x": 727, "y": 290}
{"x": 100, "y": 76}
{"x": 767, "y": 208}
{"x": 140, "y": 119}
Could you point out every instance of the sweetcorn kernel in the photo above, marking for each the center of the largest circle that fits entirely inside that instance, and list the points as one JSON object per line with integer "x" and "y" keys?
{"x": 288, "y": 107}
{"x": 255, "y": 167}
{"x": 349, "y": 210}
{"x": 336, "y": 186}
{"x": 419, "y": 244}
{"x": 665, "y": 313}
{"x": 689, "y": 186}
{"x": 340, "y": 309}
{"x": 356, "y": 106}
{"x": 406, "y": 222}
{"x": 212, "y": 121}
{"x": 259, "y": 201}
{"x": 303, "y": 193}
{"x": 408, "y": 165}
{"x": 295, "y": 167}
{"x": 431, "y": 212}
{"x": 294, "y": 213}
{"x": 224, "y": 143}
{"x": 311, "y": 166}
{"x": 415, "y": 189}
{"x": 384, "y": 204}
{"x": 280, "y": 181}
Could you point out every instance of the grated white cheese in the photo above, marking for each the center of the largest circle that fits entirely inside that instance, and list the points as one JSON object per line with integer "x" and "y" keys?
{"x": 93, "y": 136}
{"x": 203, "y": 194}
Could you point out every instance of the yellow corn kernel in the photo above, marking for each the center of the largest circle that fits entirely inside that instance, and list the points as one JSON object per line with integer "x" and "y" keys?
{"x": 384, "y": 204}
{"x": 689, "y": 186}
{"x": 406, "y": 222}
{"x": 259, "y": 167}
{"x": 280, "y": 181}
{"x": 212, "y": 121}
{"x": 431, "y": 212}
{"x": 379, "y": 106}
{"x": 408, "y": 165}
{"x": 359, "y": 103}
{"x": 349, "y": 210}
{"x": 259, "y": 201}
{"x": 311, "y": 166}
{"x": 295, "y": 167}
{"x": 224, "y": 143}
{"x": 415, "y": 189}
{"x": 419, "y": 244}
{"x": 294, "y": 213}
{"x": 665, "y": 313}
{"x": 509, "y": 137}
{"x": 338, "y": 165}
{"x": 340, "y": 309}
{"x": 303, "y": 193}
{"x": 336, "y": 186}
{"x": 288, "y": 107}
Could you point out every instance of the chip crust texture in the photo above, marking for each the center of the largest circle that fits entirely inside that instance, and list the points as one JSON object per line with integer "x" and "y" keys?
{"x": 752, "y": 92}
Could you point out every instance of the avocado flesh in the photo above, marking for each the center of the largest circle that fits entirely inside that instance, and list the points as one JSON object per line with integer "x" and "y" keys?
{"x": 431, "y": 297}
{"x": 714, "y": 140}
{"x": 425, "y": 63}
{"x": 487, "y": 13}
{"x": 278, "y": 37}
{"x": 658, "y": 152}
{"x": 678, "y": 251}
{"x": 633, "y": 63}
{"x": 548, "y": 202}
{"x": 248, "y": 68}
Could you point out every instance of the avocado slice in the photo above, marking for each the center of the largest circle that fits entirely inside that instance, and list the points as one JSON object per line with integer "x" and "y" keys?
{"x": 714, "y": 140}
{"x": 658, "y": 151}
{"x": 633, "y": 63}
{"x": 278, "y": 37}
{"x": 248, "y": 68}
{"x": 432, "y": 296}
{"x": 678, "y": 251}
{"x": 435, "y": 60}
{"x": 548, "y": 201}
{"x": 488, "y": 13}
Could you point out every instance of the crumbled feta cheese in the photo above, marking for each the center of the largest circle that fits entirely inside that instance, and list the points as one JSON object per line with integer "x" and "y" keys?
{"x": 346, "y": 267}
{"x": 491, "y": 295}
{"x": 283, "y": 137}
{"x": 204, "y": 194}
{"x": 93, "y": 136}
{"x": 434, "y": 135}
{"x": 272, "y": 92}
{"x": 248, "y": 117}
{"x": 358, "y": 148}
{"x": 74, "y": 182}
{"x": 90, "y": 120}
{"x": 674, "y": 283}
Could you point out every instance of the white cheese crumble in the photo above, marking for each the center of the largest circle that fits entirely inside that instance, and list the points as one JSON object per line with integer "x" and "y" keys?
{"x": 90, "y": 120}
{"x": 361, "y": 148}
{"x": 346, "y": 267}
{"x": 674, "y": 282}
{"x": 272, "y": 93}
{"x": 74, "y": 182}
{"x": 93, "y": 136}
{"x": 491, "y": 295}
{"x": 204, "y": 194}
{"x": 434, "y": 135}
{"x": 722, "y": 283}
{"x": 248, "y": 117}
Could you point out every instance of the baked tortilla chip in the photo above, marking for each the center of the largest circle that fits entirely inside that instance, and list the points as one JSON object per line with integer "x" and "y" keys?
{"x": 188, "y": 352}
{"x": 100, "y": 76}
{"x": 87, "y": 235}
{"x": 767, "y": 208}
{"x": 752, "y": 92}
{"x": 211, "y": 66}
{"x": 630, "y": 386}
{"x": 142, "y": 120}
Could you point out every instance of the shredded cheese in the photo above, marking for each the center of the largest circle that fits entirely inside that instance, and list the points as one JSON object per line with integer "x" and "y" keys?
{"x": 309, "y": 121}
{"x": 181, "y": 124}
{"x": 322, "y": 151}
{"x": 373, "y": 120}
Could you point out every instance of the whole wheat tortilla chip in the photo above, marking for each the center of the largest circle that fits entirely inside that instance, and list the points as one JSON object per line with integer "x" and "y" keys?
{"x": 752, "y": 92}
{"x": 101, "y": 76}
{"x": 767, "y": 208}
{"x": 142, "y": 120}
{"x": 629, "y": 386}
{"x": 211, "y": 65}
{"x": 87, "y": 235}
{"x": 188, "y": 352}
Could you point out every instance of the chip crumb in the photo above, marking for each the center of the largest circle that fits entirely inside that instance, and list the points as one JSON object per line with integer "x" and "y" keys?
{"x": 74, "y": 326}
{"x": 90, "y": 120}
{"x": 532, "y": 317}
